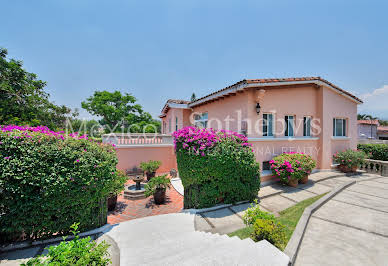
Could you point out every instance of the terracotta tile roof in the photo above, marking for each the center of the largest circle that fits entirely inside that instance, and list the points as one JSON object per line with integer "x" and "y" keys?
{"x": 283, "y": 80}
{"x": 368, "y": 122}
{"x": 166, "y": 106}
{"x": 382, "y": 129}
{"x": 178, "y": 101}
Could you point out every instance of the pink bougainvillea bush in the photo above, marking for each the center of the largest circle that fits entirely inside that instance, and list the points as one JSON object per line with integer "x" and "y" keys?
{"x": 289, "y": 166}
{"x": 215, "y": 167}
{"x": 49, "y": 180}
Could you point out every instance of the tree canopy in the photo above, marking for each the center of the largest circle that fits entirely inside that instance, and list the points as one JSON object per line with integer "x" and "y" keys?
{"x": 120, "y": 112}
{"x": 23, "y": 100}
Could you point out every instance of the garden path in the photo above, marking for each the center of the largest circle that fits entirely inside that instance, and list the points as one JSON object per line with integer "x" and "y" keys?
{"x": 273, "y": 198}
{"x": 349, "y": 229}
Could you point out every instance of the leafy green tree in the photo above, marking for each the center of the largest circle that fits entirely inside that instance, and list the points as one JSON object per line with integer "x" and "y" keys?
{"x": 90, "y": 127}
{"x": 23, "y": 100}
{"x": 120, "y": 112}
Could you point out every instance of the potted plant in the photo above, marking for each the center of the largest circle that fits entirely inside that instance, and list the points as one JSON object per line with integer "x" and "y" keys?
{"x": 292, "y": 168}
{"x": 150, "y": 168}
{"x": 349, "y": 160}
{"x": 157, "y": 187}
{"x": 116, "y": 189}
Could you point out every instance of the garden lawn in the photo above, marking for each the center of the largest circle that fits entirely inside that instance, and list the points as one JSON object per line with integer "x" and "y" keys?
{"x": 289, "y": 218}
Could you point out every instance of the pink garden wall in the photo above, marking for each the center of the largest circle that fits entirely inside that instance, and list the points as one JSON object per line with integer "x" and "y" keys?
{"x": 132, "y": 156}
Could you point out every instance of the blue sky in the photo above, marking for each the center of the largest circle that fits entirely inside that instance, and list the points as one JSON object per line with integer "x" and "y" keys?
{"x": 157, "y": 50}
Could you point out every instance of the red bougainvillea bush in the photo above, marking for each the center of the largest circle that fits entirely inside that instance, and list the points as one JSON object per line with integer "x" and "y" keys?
{"x": 49, "y": 180}
{"x": 215, "y": 167}
{"x": 294, "y": 166}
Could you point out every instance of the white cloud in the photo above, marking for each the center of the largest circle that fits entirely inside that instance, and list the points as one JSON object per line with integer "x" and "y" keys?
{"x": 376, "y": 92}
{"x": 375, "y": 102}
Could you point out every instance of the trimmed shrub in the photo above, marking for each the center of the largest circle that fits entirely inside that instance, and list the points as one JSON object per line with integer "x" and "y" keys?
{"x": 289, "y": 166}
{"x": 349, "y": 157}
{"x": 375, "y": 151}
{"x": 270, "y": 230}
{"x": 215, "y": 167}
{"x": 253, "y": 213}
{"x": 49, "y": 180}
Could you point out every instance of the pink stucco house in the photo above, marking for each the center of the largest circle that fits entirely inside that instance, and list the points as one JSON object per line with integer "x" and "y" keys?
{"x": 308, "y": 114}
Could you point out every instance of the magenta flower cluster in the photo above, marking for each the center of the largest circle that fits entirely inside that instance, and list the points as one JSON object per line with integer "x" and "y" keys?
{"x": 27, "y": 130}
{"x": 201, "y": 140}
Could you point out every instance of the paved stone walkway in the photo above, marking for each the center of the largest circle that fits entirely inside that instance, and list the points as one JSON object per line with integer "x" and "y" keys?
{"x": 273, "y": 198}
{"x": 350, "y": 229}
{"x": 132, "y": 209}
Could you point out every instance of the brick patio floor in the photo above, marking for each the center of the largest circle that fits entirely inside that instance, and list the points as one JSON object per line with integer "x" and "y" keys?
{"x": 132, "y": 209}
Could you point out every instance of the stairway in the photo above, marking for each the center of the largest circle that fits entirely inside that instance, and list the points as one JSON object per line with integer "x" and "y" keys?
{"x": 171, "y": 240}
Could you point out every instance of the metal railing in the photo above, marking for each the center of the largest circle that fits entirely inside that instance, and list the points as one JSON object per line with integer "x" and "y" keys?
{"x": 375, "y": 167}
{"x": 137, "y": 139}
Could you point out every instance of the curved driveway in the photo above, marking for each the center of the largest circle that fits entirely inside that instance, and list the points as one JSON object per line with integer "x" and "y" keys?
{"x": 350, "y": 229}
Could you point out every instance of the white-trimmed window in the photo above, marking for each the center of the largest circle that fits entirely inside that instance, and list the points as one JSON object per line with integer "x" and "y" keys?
{"x": 339, "y": 127}
{"x": 169, "y": 125}
{"x": 200, "y": 120}
{"x": 307, "y": 126}
{"x": 268, "y": 125}
{"x": 289, "y": 119}
{"x": 176, "y": 123}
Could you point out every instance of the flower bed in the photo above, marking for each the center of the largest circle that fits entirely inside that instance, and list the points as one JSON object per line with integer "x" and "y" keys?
{"x": 49, "y": 180}
{"x": 291, "y": 167}
{"x": 215, "y": 167}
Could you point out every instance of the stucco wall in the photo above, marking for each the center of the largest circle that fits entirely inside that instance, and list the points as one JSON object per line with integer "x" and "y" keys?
{"x": 266, "y": 150}
{"x": 337, "y": 106}
{"x": 296, "y": 101}
{"x": 232, "y": 109}
{"x": 132, "y": 156}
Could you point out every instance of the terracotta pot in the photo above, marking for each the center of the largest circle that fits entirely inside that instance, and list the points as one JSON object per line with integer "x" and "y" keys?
{"x": 160, "y": 195}
{"x": 293, "y": 182}
{"x": 304, "y": 180}
{"x": 112, "y": 201}
{"x": 150, "y": 175}
{"x": 346, "y": 169}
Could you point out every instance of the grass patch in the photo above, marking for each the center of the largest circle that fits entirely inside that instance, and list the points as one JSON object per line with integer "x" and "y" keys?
{"x": 288, "y": 217}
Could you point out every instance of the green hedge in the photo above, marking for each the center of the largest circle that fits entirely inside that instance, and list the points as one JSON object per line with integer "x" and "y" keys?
{"x": 49, "y": 180}
{"x": 222, "y": 170}
{"x": 375, "y": 151}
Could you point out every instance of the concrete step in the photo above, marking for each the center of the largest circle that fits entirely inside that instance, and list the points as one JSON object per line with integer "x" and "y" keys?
{"x": 190, "y": 256}
{"x": 171, "y": 240}
{"x": 232, "y": 251}
{"x": 170, "y": 247}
